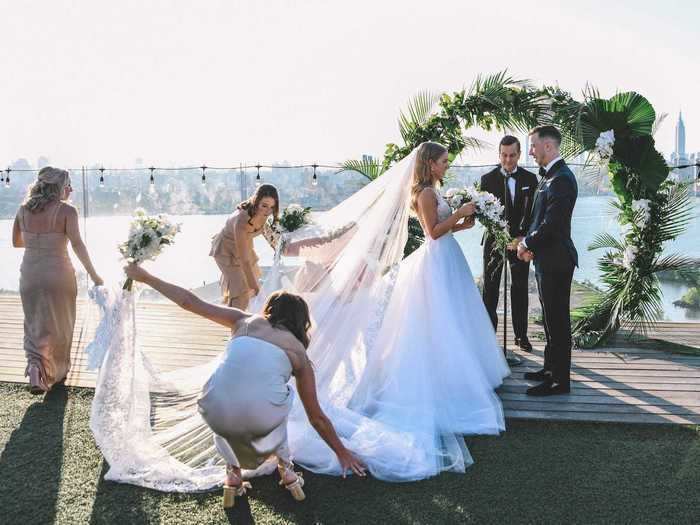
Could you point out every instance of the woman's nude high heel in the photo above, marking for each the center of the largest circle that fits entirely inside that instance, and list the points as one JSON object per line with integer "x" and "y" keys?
{"x": 231, "y": 491}
{"x": 295, "y": 487}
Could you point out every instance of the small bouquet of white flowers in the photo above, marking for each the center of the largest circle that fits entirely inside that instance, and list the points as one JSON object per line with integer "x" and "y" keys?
{"x": 147, "y": 236}
{"x": 294, "y": 217}
{"x": 489, "y": 212}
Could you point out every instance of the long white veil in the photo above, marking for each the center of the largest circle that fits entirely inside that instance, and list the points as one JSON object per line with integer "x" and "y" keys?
{"x": 146, "y": 422}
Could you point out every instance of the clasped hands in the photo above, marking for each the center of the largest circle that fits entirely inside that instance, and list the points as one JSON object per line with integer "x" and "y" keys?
{"x": 522, "y": 252}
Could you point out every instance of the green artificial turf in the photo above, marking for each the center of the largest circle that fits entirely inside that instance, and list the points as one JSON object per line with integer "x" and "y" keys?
{"x": 536, "y": 472}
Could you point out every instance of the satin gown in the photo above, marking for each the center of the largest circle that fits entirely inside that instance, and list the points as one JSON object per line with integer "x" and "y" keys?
{"x": 48, "y": 291}
{"x": 246, "y": 401}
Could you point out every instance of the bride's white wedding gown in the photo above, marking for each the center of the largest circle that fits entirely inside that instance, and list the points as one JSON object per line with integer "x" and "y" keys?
{"x": 405, "y": 355}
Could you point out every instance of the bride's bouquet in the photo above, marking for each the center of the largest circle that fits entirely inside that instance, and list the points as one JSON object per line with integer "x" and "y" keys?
{"x": 489, "y": 212}
{"x": 148, "y": 234}
{"x": 294, "y": 217}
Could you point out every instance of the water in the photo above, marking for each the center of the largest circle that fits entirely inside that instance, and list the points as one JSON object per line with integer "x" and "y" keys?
{"x": 188, "y": 264}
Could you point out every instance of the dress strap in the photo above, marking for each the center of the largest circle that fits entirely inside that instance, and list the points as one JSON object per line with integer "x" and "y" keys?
{"x": 20, "y": 216}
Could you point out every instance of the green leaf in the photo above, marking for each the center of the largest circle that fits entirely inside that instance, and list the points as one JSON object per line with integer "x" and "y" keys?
{"x": 640, "y": 156}
{"x": 368, "y": 168}
{"x": 420, "y": 107}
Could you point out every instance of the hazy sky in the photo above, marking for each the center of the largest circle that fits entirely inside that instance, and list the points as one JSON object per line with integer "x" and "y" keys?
{"x": 186, "y": 82}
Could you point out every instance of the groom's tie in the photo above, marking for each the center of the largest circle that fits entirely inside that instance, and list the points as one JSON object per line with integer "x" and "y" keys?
{"x": 543, "y": 172}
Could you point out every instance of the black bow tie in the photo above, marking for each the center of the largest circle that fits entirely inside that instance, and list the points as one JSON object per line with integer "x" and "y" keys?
{"x": 543, "y": 172}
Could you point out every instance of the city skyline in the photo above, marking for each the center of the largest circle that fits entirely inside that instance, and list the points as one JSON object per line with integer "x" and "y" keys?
{"x": 178, "y": 84}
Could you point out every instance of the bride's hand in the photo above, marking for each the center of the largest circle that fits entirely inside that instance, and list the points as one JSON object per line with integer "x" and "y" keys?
{"x": 348, "y": 461}
{"x": 467, "y": 209}
{"x": 135, "y": 272}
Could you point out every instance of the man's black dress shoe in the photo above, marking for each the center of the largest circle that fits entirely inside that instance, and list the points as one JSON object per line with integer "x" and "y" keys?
{"x": 540, "y": 375}
{"x": 548, "y": 388}
{"x": 523, "y": 343}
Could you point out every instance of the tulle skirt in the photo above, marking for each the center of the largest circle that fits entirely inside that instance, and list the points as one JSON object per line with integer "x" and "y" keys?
{"x": 429, "y": 378}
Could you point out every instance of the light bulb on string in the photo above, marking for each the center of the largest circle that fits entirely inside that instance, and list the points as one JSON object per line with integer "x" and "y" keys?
{"x": 257, "y": 178}
{"x": 102, "y": 177}
{"x": 204, "y": 177}
{"x": 7, "y": 178}
{"x": 314, "y": 179}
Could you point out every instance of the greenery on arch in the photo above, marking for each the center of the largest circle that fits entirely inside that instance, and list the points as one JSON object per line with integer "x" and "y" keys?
{"x": 652, "y": 209}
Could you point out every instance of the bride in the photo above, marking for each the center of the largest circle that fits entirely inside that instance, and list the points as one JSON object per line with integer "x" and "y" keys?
{"x": 405, "y": 357}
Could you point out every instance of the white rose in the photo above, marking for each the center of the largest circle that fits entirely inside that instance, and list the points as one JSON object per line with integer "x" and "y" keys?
{"x": 641, "y": 210}
{"x": 629, "y": 256}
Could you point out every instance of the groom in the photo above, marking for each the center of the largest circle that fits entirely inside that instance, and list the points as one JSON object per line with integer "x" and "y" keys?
{"x": 515, "y": 188}
{"x": 549, "y": 242}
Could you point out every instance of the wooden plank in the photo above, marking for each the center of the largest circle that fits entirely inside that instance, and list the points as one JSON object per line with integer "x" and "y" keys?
{"x": 571, "y": 406}
{"x": 602, "y": 417}
{"x": 687, "y": 399}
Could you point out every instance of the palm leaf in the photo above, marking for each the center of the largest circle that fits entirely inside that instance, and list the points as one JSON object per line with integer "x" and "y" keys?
{"x": 420, "y": 107}
{"x": 675, "y": 213}
{"x": 658, "y": 122}
{"x": 605, "y": 240}
{"x": 476, "y": 144}
{"x": 686, "y": 266}
{"x": 368, "y": 168}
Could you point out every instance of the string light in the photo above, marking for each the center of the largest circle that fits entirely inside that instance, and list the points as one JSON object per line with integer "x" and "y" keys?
{"x": 204, "y": 177}
{"x": 314, "y": 179}
{"x": 7, "y": 178}
{"x": 152, "y": 179}
{"x": 102, "y": 177}
{"x": 257, "y": 177}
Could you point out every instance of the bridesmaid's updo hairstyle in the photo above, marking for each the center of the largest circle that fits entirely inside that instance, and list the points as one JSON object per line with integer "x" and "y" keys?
{"x": 252, "y": 204}
{"x": 49, "y": 186}
{"x": 422, "y": 175}
{"x": 290, "y": 311}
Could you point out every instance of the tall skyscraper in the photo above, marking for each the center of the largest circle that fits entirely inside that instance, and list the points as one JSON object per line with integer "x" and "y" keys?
{"x": 679, "y": 157}
{"x": 679, "y": 149}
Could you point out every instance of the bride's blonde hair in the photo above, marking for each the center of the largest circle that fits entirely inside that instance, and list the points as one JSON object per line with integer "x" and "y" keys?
{"x": 48, "y": 188}
{"x": 422, "y": 175}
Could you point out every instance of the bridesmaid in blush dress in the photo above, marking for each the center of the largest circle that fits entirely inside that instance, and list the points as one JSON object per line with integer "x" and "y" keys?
{"x": 43, "y": 226}
{"x": 232, "y": 248}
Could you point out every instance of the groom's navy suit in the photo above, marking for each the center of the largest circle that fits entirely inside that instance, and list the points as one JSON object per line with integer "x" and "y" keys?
{"x": 549, "y": 238}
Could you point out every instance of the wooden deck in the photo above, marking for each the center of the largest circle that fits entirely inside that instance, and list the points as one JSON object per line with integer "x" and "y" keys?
{"x": 624, "y": 383}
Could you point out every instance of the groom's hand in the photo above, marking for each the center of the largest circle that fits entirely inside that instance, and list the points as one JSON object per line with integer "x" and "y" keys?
{"x": 524, "y": 254}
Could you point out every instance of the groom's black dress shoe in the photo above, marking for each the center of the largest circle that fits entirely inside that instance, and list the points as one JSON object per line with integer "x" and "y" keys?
{"x": 523, "y": 343}
{"x": 548, "y": 388}
{"x": 540, "y": 375}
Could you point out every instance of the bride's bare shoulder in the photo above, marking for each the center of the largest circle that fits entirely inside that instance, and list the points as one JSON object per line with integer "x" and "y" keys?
{"x": 427, "y": 197}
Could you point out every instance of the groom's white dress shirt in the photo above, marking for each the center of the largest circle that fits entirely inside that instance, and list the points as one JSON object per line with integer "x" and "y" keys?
{"x": 511, "y": 182}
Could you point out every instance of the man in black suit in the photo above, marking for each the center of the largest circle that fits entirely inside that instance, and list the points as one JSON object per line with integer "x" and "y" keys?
{"x": 515, "y": 188}
{"x": 549, "y": 242}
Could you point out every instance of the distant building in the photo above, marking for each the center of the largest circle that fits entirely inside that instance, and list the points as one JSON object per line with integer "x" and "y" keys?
{"x": 679, "y": 157}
